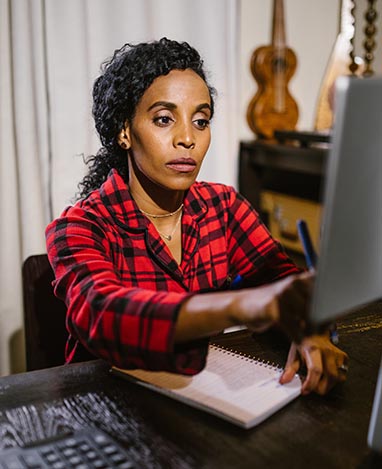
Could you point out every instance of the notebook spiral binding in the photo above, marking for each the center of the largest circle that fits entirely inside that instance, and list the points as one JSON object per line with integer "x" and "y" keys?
{"x": 247, "y": 357}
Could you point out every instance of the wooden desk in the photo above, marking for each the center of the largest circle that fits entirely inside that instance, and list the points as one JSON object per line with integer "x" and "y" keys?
{"x": 313, "y": 431}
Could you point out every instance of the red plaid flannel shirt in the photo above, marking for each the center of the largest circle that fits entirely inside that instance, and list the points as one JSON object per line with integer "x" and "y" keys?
{"x": 122, "y": 287}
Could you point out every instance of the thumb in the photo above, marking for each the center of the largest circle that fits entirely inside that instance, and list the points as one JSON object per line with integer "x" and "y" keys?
{"x": 292, "y": 365}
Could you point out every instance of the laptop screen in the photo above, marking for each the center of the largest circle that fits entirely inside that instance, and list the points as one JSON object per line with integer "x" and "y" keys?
{"x": 349, "y": 270}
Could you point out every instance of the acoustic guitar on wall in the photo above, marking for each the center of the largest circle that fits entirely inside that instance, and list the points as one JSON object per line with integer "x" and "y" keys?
{"x": 341, "y": 62}
{"x": 273, "y": 107}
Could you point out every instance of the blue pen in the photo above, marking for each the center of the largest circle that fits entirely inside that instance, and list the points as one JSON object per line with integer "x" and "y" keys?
{"x": 311, "y": 262}
{"x": 310, "y": 254}
{"x": 237, "y": 282}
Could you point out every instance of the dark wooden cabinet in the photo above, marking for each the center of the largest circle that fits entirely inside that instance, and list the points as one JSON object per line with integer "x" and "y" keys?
{"x": 284, "y": 182}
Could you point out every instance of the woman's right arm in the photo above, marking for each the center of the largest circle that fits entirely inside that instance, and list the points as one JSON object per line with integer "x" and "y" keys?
{"x": 284, "y": 303}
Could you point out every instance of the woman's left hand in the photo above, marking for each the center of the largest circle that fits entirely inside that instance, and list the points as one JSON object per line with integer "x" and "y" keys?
{"x": 326, "y": 364}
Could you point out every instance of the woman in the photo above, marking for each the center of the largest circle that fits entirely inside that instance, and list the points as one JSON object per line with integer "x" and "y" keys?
{"x": 145, "y": 260}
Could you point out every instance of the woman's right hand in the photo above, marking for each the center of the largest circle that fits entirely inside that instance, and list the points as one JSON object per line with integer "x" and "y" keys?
{"x": 285, "y": 302}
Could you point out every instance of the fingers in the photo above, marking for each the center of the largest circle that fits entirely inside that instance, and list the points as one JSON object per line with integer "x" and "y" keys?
{"x": 314, "y": 365}
{"x": 326, "y": 364}
{"x": 292, "y": 365}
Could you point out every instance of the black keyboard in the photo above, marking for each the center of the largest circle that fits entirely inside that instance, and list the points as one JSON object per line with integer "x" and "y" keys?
{"x": 85, "y": 449}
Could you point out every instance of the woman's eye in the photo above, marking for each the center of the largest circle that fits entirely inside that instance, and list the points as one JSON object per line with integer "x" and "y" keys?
{"x": 162, "y": 120}
{"x": 202, "y": 123}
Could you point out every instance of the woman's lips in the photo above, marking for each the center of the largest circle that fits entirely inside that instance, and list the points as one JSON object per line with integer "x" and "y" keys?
{"x": 182, "y": 165}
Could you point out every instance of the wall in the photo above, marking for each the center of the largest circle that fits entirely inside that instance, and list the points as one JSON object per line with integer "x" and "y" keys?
{"x": 311, "y": 31}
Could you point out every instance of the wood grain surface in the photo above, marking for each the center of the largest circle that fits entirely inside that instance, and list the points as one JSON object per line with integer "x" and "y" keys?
{"x": 159, "y": 432}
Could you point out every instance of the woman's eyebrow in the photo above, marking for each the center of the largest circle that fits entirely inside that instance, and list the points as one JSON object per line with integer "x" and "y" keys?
{"x": 165, "y": 104}
{"x": 203, "y": 106}
{"x": 172, "y": 106}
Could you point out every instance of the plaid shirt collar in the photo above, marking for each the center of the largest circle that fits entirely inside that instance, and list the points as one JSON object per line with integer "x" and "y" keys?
{"x": 117, "y": 199}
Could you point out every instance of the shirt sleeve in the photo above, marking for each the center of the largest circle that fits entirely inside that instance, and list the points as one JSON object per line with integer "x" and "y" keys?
{"x": 127, "y": 326}
{"x": 254, "y": 254}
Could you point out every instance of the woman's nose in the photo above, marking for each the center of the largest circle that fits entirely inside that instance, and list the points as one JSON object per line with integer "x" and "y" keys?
{"x": 185, "y": 135}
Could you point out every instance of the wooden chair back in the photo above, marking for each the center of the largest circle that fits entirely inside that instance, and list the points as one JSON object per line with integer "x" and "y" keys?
{"x": 44, "y": 315}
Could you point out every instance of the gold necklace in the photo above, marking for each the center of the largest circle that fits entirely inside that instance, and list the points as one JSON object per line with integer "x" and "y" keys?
{"x": 169, "y": 236}
{"x": 152, "y": 215}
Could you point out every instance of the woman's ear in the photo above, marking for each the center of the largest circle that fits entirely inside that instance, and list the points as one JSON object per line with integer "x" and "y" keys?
{"x": 124, "y": 138}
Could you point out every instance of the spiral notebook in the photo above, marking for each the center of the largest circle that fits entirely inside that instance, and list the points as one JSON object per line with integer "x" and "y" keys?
{"x": 233, "y": 386}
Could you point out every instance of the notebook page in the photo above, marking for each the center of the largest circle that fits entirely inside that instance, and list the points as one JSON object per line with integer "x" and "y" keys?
{"x": 232, "y": 386}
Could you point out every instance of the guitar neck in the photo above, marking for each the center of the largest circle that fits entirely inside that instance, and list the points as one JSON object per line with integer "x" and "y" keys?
{"x": 278, "y": 25}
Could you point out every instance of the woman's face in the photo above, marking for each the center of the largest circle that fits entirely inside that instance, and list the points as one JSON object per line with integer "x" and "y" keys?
{"x": 170, "y": 133}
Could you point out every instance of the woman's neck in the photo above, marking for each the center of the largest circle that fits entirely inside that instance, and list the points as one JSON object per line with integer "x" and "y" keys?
{"x": 152, "y": 198}
{"x": 161, "y": 204}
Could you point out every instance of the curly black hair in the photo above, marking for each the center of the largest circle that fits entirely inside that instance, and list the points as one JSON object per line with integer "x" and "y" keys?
{"x": 118, "y": 90}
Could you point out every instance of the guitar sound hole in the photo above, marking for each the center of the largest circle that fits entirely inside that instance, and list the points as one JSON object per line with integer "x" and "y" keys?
{"x": 278, "y": 64}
